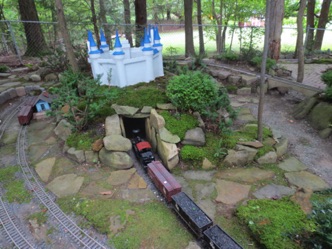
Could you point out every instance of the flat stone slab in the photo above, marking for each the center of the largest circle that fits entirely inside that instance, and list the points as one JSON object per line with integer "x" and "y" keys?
{"x": 236, "y": 104}
{"x": 124, "y": 110}
{"x": 120, "y": 177}
{"x": 11, "y": 84}
{"x": 204, "y": 191}
{"x": 254, "y": 144}
{"x": 246, "y": 117}
{"x": 208, "y": 206}
{"x": 137, "y": 182}
{"x": 250, "y": 175}
{"x": 44, "y": 168}
{"x": 292, "y": 164}
{"x": 66, "y": 185}
{"x": 306, "y": 180}
{"x": 273, "y": 191}
{"x": 198, "y": 175}
{"x": 231, "y": 192}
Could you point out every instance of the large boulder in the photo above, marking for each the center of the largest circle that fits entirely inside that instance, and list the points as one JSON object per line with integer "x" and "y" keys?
{"x": 116, "y": 160}
{"x": 302, "y": 109}
{"x": 76, "y": 155}
{"x": 157, "y": 121}
{"x": 281, "y": 147}
{"x": 195, "y": 137}
{"x": 117, "y": 143}
{"x": 237, "y": 158}
{"x": 112, "y": 125}
{"x": 125, "y": 110}
{"x": 321, "y": 116}
{"x": 63, "y": 129}
{"x": 270, "y": 157}
{"x": 168, "y": 153}
{"x": 168, "y": 137}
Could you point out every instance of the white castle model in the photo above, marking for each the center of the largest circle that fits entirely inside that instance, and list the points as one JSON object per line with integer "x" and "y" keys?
{"x": 125, "y": 66}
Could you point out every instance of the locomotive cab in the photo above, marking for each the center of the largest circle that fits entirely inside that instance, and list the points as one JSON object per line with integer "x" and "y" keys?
{"x": 142, "y": 149}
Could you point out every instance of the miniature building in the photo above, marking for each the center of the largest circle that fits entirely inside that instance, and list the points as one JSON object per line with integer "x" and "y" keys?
{"x": 43, "y": 102}
{"x": 125, "y": 66}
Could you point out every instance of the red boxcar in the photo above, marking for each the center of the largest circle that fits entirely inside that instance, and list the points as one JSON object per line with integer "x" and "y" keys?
{"x": 164, "y": 181}
{"x": 30, "y": 101}
{"x": 25, "y": 115}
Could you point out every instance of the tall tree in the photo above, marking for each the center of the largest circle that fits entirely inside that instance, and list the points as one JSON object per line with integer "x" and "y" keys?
{"x": 276, "y": 15}
{"x": 140, "y": 20}
{"x": 299, "y": 41}
{"x": 126, "y": 12}
{"x": 219, "y": 19}
{"x": 65, "y": 35}
{"x": 263, "y": 71}
{"x": 103, "y": 21}
{"x": 323, "y": 20}
{"x": 310, "y": 24}
{"x": 200, "y": 28}
{"x": 36, "y": 44}
{"x": 188, "y": 28}
{"x": 94, "y": 20}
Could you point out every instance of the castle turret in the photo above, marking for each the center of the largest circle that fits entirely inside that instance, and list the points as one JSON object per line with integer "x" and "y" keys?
{"x": 119, "y": 56}
{"x": 117, "y": 46}
{"x": 103, "y": 44}
{"x": 94, "y": 52}
{"x": 148, "y": 54}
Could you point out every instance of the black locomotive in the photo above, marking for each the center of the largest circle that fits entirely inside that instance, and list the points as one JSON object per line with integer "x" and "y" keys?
{"x": 142, "y": 148}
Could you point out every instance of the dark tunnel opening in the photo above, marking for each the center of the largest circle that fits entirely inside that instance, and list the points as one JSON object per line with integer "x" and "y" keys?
{"x": 131, "y": 124}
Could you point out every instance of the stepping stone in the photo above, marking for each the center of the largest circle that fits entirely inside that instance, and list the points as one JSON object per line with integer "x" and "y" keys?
{"x": 120, "y": 177}
{"x": 236, "y": 104}
{"x": 198, "y": 175}
{"x": 273, "y": 191}
{"x": 292, "y": 164}
{"x": 250, "y": 175}
{"x": 231, "y": 192}
{"x": 66, "y": 185}
{"x": 306, "y": 180}
{"x": 44, "y": 168}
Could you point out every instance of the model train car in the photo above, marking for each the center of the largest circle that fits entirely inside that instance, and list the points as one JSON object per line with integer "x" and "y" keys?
{"x": 25, "y": 115}
{"x": 219, "y": 239}
{"x": 163, "y": 180}
{"x": 142, "y": 149}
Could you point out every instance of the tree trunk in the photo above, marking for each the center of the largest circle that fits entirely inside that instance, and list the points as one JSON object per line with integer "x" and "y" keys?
{"x": 103, "y": 22}
{"x": 263, "y": 71}
{"x": 188, "y": 28}
{"x": 310, "y": 24}
{"x": 36, "y": 44}
{"x": 219, "y": 28}
{"x": 140, "y": 20}
{"x": 65, "y": 36}
{"x": 277, "y": 15}
{"x": 299, "y": 41}
{"x": 323, "y": 20}
{"x": 200, "y": 28}
{"x": 126, "y": 11}
{"x": 94, "y": 21}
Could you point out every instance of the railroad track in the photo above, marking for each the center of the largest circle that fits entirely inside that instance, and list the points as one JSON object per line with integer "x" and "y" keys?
{"x": 83, "y": 239}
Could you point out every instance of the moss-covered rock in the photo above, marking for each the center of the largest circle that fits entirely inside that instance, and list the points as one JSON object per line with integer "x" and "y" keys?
{"x": 321, "y": 116}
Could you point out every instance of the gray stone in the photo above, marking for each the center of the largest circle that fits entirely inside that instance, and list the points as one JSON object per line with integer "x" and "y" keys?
{"x": 198, "y": 175}
{"x": 325, "y": 133}
{"x": 117, "y": 143}
{"x": 44, "y": 168}
{"x": 320, "y": 116}
{"x": 146, "y": 109}
{"x": 12, "y": 84}
{"x": 112, "y": 125}
{"x": 204, "y": 191}
{"x": 303, "y": 108}
{"x": 157, "y": 121}
{"x": 168, "y": 153}
{"x": 273, "y": 191}
{"x": 231, "y": 192}
{"x": 251, "y": 152}
{"x": 91, "y": 156}
{"x": 116, "y": 160}
{"x": 5, "y": 75}
{"x": 233, "y": 79}
{"x": 76, "y": 155}
{"x": 243, "y": 91}
{"x": 252, "y": 144}
{"x": 207, "y": 164}
{"x": 270, "y": 157}
{"x": 12, "y": 77}
{"x": 20, "y": 91}
{"x": 63, "y": 129}
{"x": 125, "y": 110}
{"x": 168, "y": 137}
{"x": 35, "y": 78}
{"x": 281, "y": 146}
{"x": 66, "y": 185}
{"x": 208, "y": 206}
{"x": 167, "y": 106}
{"x": 51, "y": 77}
{"x": 222, "y": 75}
{"x": 249, "y": 80}
{"x": 193, "y": 245}
{"x": 4, "y": 97}
{"x": 201, "y": 123}
{"x": 120, "y": 177}
{"x": 195, "y": 137}
{"x": 248, "y": 175}
{"x": 292, "y": 164}
{"x": 306, "y": 180}
{"x": 236, "y": 158}
{"x": 12, "y": 93}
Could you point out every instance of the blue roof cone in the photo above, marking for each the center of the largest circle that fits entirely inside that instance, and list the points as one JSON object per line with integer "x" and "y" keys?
{"x": 117, "y": 40}
{"x": 91, "y": 40}
{"x": 146, "y": 36}
{"x": 156, "y": 33}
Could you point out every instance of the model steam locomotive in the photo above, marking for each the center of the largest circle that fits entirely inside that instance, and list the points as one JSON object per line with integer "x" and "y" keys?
{"x": 190, "y": 213}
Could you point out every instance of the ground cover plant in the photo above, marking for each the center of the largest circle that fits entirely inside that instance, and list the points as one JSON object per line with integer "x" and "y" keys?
{"x": 148, "y": 225}
{"x": 275, "y": 222}
{"x": 327, "y": 78}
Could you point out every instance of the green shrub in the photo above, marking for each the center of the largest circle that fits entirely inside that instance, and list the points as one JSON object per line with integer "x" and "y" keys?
{"x": 327, "y": 77}
{"x": 179, "y": 124}
{"x": 322, "y": 216}
{"x": 257, "y": 62}
{"x": 190, "y": 152}
{"x": 81, "y": 141}
{"x": 3, "y": 68}
{"x": 273, "y": 222}
{"x": 191, "y": 91}
{"x": 229, "y": 55}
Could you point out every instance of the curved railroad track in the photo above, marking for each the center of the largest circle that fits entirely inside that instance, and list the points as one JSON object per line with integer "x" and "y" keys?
{"x": 83, "y": 239}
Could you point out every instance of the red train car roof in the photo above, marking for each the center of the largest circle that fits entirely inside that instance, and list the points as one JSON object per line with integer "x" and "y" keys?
{"x": 143, "y": 145}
